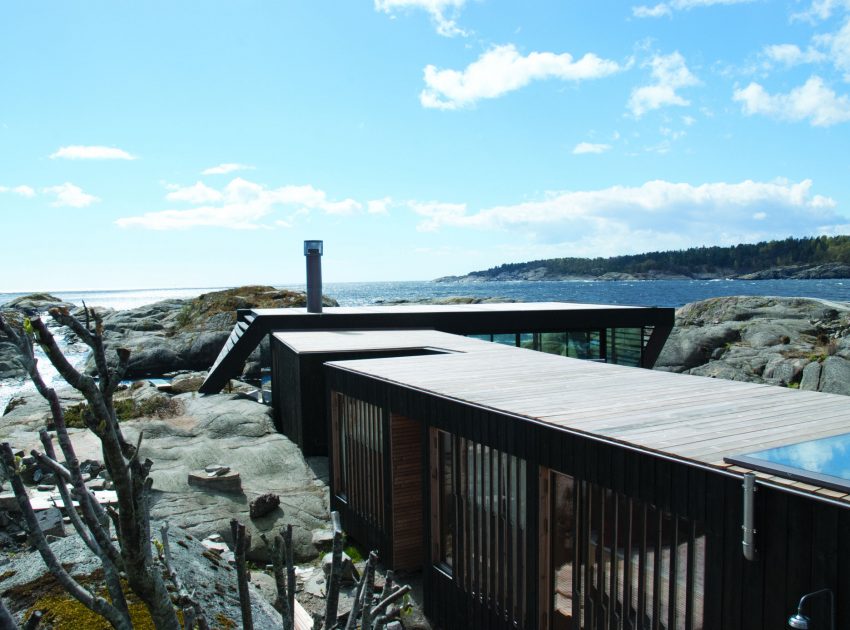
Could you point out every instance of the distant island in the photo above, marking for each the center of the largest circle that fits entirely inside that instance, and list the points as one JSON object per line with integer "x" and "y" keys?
{"x": 791, "y": 258}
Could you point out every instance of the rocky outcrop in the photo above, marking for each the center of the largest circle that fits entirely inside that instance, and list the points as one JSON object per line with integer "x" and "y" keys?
{"x": 794, "y": 342}
{"x": 26, "y": 583}
{"x": 180, "y": 335}
{"x": 230, "y": 430}
{"x": 14, "y": 312}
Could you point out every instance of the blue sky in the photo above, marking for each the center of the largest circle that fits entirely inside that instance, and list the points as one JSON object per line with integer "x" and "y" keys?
{"x": 176, "y": 144}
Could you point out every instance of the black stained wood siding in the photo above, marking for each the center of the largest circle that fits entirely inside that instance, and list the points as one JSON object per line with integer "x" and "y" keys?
{"x": 803, "y": 542}
{"x": 298, "y": 391}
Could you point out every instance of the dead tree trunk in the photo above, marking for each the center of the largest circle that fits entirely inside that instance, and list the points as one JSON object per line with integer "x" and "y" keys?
{"x": 241, "y": 544}
{"x": 130, "y": 476}
{"x": 335, "y": 576}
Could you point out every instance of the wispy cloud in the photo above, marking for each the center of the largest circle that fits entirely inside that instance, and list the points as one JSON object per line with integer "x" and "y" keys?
{"x": 813, "y": 101}
{"x": 197, "y": 194}
{"x": 657, "y": 214}
{"x": 666, "y": 8}
{"x": 588, "y": 147}
{"x": 503, "y": 69}
{"x": 69, "y": 195}
{"x": 790, "y": 55}
{"x": 240, "y": 205}
{"x": 837, "y": 48}
{"x": 22, "y": 191}
{"x": 379, "y": 206}
{"x": 227, "y": 167}
{"x": 821, "y": 10}
{"x": 91, "y": 152}
{"x": 670, "y": 73}
{"x": 443, "y": 12}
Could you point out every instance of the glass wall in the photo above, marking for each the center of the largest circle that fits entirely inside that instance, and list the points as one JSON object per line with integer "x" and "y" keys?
{"x": 623, "y": 346}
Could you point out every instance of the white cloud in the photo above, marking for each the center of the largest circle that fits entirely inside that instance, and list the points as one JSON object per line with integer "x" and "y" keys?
{"x": 83, "y": 152}
{"x": 588, "y": 147}
{"x": 437, "y": 9}
{"x": 655, "y": 215}
{"x": 227, "y": 167}
{"x": 240, "y": 205}
{"x": 813, "y": 101}
{"x": 837, "y": 47}
{"x": 821, "y": 10}
{"x": 670, "y": 73}
{"x": 659, "y": 10}
{"x": 791, "y": 54}
{"x": 667, "y": 8}
{"x": 379, "y": 206}
{"x": 22, "y": 191}
{"x": 197, "y": 194}
{"x": 69, "y": 195}
{"x": 503, "y": 69}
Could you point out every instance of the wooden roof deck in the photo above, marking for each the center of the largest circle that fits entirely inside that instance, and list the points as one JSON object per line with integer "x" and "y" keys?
{"x": 312, "y": 341}
{"x": 691, "y": 418}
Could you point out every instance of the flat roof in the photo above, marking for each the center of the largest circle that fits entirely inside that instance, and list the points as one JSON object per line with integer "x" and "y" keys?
{"x": 691, "y": 418}
{"x": 487, "y": 307}
{"x": 323, "y": 341}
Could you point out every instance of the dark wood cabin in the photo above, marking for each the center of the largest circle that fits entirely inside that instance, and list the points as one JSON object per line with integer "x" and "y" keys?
{"x": 625, "y": 335}
{"x": 537, "y": 491}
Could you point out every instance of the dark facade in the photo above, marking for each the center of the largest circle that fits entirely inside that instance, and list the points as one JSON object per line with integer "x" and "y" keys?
{"x": 532, "y": 526}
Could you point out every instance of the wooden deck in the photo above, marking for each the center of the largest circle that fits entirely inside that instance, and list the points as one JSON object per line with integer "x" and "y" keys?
{"x": 691, "y": 418}
{"x": 339, "y": 341}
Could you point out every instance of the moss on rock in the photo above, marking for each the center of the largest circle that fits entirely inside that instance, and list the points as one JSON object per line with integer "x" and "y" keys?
{"x": 196, "y": 312}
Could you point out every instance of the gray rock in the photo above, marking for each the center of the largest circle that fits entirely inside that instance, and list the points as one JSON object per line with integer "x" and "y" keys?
{"x": 190, "y": 382}
{"x": 762, "y": 340}
{"x": 835, "y": 376}
{"x": 811, "y": 376}
{"x": 211, "y": 581}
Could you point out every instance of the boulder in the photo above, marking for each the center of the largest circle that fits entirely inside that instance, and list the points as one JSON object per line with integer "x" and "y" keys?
{"x": 780, "y": 341}
{"x": 211, "y": 581}
{"x": 835, "y": 376}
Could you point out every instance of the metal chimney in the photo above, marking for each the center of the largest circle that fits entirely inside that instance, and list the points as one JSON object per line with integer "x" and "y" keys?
{"x": 313, "y": 252}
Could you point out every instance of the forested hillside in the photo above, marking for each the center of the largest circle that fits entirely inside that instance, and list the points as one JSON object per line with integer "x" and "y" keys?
{"x": 697, "y": 261}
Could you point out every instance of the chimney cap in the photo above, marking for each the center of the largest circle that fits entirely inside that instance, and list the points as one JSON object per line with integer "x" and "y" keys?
{"x": 312, "y": 247}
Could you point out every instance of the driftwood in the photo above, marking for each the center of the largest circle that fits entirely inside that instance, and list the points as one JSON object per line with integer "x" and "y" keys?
{"x": 133, "y": 554}
{"x": 241, "y": 544}
{"x": 335, "y": 577}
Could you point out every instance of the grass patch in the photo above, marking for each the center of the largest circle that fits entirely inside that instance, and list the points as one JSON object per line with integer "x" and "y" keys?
{"x": 159, "y": 406}
{"x": 353, "y": 553}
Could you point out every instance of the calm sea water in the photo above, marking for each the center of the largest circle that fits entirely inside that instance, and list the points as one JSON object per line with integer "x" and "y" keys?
{"x": 645, "y": 293}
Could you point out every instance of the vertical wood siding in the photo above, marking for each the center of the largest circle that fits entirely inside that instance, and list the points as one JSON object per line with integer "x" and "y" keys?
{"x": 803, "y": 544}
{"x": 407, "y": 509}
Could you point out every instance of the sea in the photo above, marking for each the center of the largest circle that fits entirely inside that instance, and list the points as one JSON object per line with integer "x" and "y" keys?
{"x": 672, "y": 293}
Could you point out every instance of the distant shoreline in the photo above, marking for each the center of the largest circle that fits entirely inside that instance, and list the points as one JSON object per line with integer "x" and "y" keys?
{"x": 827, "y": 271}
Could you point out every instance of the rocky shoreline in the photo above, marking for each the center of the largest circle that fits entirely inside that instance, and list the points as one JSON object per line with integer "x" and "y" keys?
{"x": 800, "y": 343}
{"x": 827, "y": 271}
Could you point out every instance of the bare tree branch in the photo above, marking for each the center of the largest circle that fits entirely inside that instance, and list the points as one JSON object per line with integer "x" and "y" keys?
{"x": 81, "y": 594}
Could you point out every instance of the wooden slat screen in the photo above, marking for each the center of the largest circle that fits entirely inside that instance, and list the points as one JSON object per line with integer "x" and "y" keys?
{"x": 489, "y": 526}
{"x": 358, "y": 457}
{"x": 620, "y": 564}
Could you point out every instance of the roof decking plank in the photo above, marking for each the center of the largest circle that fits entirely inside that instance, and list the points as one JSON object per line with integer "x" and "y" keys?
{"x": 691, "y": 418}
